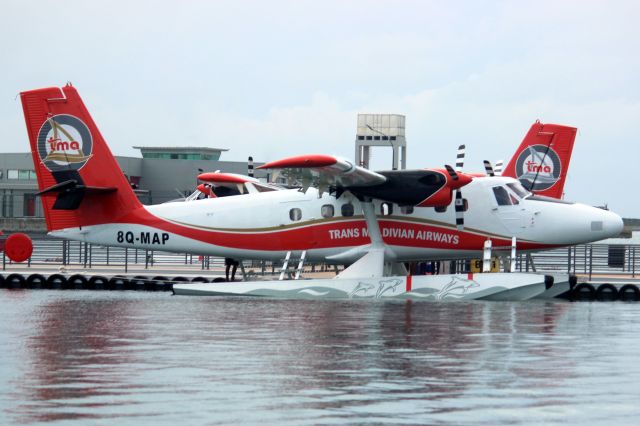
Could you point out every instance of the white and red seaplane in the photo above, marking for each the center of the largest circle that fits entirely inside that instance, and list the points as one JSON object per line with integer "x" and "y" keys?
{"x": 342, "y": 213}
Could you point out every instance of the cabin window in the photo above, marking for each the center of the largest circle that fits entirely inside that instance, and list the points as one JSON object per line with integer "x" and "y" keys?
{"x": 440, "y": 209}
{"x": 502, "y": 196}
{"x": 347, "y": 209}
{"x": 327, "y": 211}
{"x": 295, "y": 214}
{"x": 386, "y": 209}
{"x": 406, "y": 209}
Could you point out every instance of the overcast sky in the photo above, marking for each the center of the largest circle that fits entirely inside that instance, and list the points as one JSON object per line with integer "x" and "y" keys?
{"x": 278, "y": 78}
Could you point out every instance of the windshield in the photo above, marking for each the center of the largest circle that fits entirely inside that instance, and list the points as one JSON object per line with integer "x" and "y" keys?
{"x": 519, "y": 189}
{"x": 502, "y": 196}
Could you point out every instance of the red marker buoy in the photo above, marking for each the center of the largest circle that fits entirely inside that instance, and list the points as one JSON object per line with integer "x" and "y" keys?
{"x": 18, "y": 247}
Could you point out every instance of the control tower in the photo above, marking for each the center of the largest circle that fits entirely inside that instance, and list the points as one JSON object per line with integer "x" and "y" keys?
{"x": 381, "y": 130}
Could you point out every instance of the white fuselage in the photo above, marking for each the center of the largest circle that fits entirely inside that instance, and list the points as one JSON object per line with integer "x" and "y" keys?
{"x": 266, "y": 225}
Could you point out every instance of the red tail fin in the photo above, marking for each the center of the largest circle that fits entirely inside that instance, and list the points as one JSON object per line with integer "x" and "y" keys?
{"x": 542, "y": 159}
{"x": 80, "y": 181}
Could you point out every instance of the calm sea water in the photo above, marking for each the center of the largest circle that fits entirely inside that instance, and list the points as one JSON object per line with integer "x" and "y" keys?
{"x": 78, "y": 357}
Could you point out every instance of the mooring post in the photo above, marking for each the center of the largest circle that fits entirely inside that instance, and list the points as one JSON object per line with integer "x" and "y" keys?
{"x": 486, "y": 257}
{"x": 590, "y": 260}
{"x": 512, "y": 263}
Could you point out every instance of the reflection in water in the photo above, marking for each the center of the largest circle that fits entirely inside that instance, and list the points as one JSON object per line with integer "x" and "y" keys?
{"x": 130, "y": 357}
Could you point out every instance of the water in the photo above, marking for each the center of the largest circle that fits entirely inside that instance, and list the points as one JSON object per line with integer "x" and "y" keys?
{"x": 78, "y": 357}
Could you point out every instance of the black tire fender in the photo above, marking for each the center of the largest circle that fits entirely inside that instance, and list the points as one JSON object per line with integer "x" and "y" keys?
{"x": 98, "y": 282}
{"x": 15, "y": 281}
{"x": 629, "y": 293}
{"x": 56, "y": 281}
{"x": 607, "y": 292}
{"x": 77, "y": 281}
{"x": 583, "y": 291}
{"x": 118, "y": 282}
{"x": 36, "y": 281}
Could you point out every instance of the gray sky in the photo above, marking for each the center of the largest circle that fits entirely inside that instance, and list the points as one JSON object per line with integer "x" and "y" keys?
{"x": 278, "y": 78}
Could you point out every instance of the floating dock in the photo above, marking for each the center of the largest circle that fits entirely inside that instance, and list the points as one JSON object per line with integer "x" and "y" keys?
{"x": 600, "y": 288}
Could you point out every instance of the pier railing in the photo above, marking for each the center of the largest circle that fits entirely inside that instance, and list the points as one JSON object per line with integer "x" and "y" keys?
{"x": 587, "y": 259}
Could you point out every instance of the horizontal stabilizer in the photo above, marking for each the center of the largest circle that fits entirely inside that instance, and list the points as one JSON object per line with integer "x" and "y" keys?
{"x": 72, "y": 185}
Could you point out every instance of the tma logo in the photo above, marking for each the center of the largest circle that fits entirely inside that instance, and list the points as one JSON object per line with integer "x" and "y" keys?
{"x": 64, "y": 143}
{"x": 538, "y": 167}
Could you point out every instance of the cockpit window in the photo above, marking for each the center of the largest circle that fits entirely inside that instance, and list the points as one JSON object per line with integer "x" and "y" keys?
{"x": 518, "y": 189}
{"x": 502, "y": 196}
{"x": 264, "y": 188}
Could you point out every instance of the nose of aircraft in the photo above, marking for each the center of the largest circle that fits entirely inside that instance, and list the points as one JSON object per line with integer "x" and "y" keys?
{"x": 611, "y": 223}
{"x": 602, "y": 223}
{"x": 586, "y": 224}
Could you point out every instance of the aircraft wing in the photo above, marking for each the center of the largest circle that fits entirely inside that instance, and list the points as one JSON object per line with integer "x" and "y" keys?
{"x": 223, "y": 179}
{"x": 226, "y": 183}
{"x": 423, "y": 188}
{"x": 324, "y": 171}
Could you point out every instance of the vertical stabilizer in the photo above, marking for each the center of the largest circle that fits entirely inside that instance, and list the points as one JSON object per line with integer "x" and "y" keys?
{"x": 80, "y": 182}
{"x": 542, "y": 160}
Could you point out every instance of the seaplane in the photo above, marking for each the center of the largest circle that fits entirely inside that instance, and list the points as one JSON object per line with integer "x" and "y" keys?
{"x": 341, "y": 213}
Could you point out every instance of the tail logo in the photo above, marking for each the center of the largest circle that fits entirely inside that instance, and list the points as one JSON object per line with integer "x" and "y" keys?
{"x": 64, "y": 143}
{"x": 538, "y": 167}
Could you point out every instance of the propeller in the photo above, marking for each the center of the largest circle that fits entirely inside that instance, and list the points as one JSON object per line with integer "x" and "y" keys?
{"x": 493, "y": 171}
{"x": 488, "y": 168}
{"x": 498, "y": 168}
{"x": 459, "y": 180}
{"x": 459, "y": 201}
{"x": 460, "y": 157}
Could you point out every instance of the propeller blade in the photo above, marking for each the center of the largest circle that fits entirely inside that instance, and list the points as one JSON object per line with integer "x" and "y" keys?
{"x": 498, "y": 168}
{"x": 451, "y": 172}
{"x": 459, "y": 207}
{"x": 460, "y": 158}
{"x": 488, "y": 168}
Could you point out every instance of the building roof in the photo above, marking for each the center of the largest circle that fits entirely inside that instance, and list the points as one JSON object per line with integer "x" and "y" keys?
{"x": 180, "y": 149}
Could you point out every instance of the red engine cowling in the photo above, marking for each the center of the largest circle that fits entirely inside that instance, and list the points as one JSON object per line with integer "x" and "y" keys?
{"x": 440, "y": 199}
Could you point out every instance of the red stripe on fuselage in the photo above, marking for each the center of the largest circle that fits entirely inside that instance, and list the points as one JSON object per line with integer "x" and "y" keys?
{"x": 335, "y": 234}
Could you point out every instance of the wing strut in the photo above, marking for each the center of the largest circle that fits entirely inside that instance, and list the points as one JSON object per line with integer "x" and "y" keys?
{"x": 372, "y": 264}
